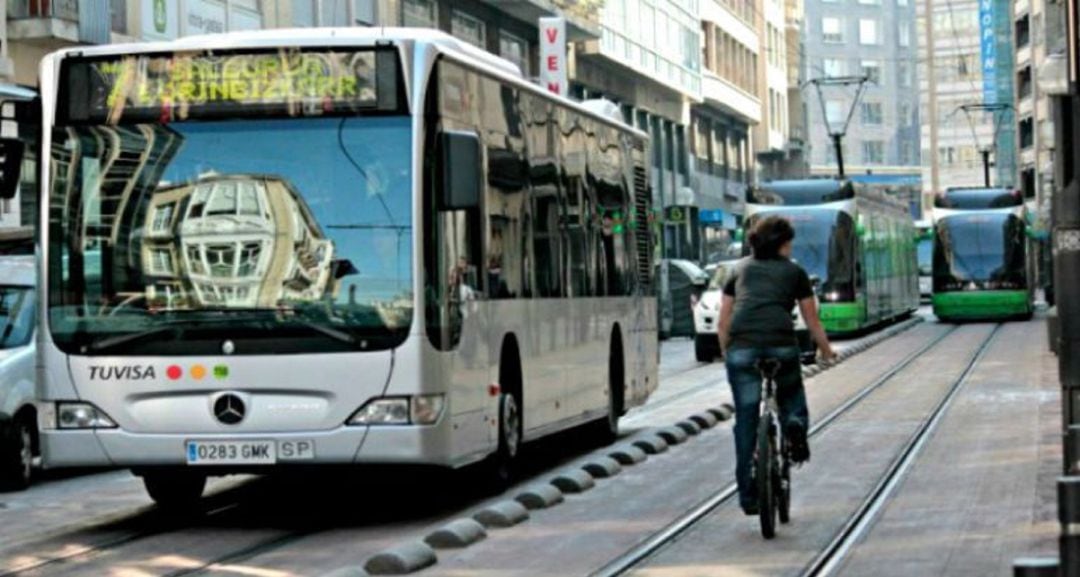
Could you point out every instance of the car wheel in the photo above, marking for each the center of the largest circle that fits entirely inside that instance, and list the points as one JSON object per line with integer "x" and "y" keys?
{"x": 17, "y": 455}
{"x": 704, "y": 351}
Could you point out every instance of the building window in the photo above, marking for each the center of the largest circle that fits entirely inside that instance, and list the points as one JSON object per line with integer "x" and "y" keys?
{"x": 868, "y": 32}
{"x": 905, "y": 114}
{"x": 833, "y": 67}
{"x": 1023, "y": 31}
{"x": 515, "y": 50}
{"x": 904, "y": 34}
{"x": 907, "y": 153}
{"x": 901, "y": 2}
{"x": 419, "y": 13}
{"x": 1023, "y": 83}
{"x": 163, "y": 217}
{"x": 870, "y": 2}
{"x": 903, "y": 72}
{"x": 873, "y": 152}
{"x": 467, "y": 28}
{"x": 832, "y": 30}
{"x": 871, "y": 69}
{"x": 161, "y": 261}
{"x": 872, "y": 113}
{"x": 1027, "y": 133}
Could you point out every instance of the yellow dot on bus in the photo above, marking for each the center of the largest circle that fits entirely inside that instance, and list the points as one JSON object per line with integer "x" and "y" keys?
{"x": 197, "y": 372}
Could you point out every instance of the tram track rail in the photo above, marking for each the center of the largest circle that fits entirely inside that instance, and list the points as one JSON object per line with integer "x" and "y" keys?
{"x": 632, "y": 558}
{"x": 832, "y": 557}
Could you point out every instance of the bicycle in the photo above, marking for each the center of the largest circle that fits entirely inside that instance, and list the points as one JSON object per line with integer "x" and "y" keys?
{"x": 772, "y": 465}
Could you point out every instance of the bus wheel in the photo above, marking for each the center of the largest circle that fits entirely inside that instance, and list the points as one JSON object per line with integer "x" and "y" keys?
{"x": 502, "y": 465}
{"x": 17, "y": 455}
{"x": 174, "y": 490}
{"x": 607, "y": 429}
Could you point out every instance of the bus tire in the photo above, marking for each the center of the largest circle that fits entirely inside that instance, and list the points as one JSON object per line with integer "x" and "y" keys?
{"x": 17, "y": 453}
{"x": 501, "y": 466}
{"x": 704, "y": 349}
{"x": 174, "y": 490}
{"x": 607, "y": 429}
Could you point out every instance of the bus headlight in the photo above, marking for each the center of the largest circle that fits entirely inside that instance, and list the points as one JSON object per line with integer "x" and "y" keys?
{"x": 82, "y": 416}
{"x": 426, "y": 409}
{"x": 382, "y": 412}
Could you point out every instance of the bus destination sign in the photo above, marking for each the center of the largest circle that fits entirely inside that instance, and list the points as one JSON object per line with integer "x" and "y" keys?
{"x": 185, "y": 85}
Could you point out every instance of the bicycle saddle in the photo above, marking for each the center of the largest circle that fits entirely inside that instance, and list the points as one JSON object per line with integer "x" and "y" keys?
{"x": 768, "y": 366}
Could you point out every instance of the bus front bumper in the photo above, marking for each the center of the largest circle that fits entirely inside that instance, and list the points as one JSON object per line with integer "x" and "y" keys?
{"x": 975, "y": 305}
{"x": 428, "y": 445}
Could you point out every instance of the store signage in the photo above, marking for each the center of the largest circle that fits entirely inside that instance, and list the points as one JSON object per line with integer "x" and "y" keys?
{"x": 553, "y": 54}
{"x": 988, "y": 40}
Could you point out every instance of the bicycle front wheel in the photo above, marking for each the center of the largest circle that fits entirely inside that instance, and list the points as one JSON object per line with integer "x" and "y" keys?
{"x": 766, "y": 476}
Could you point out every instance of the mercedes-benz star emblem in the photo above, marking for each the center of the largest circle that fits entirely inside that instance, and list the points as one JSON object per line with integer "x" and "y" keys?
{"x": 228, "y": 347}
{"x": 229, "y": 409}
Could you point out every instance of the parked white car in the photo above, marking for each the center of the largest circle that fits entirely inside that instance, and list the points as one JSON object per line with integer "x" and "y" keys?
{"x": 18, "y": 417}
{"x": 707, "y": 315}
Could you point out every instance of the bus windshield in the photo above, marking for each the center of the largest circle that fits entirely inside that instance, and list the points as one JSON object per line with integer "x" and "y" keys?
{"x": 979, "y": 251}
{"x": 824, "y": 247}
{"x": 295, "y": 233}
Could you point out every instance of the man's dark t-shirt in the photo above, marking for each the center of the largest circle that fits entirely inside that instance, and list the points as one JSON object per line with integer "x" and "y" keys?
{"x": 766, "y": 292}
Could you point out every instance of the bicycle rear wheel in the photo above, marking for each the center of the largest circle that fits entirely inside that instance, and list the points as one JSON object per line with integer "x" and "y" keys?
{"x": 766, "y": 476}
{"x": 783, "y": 488}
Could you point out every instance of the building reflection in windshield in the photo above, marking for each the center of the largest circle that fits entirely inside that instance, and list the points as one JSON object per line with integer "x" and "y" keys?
{"x": 237, "y": 241}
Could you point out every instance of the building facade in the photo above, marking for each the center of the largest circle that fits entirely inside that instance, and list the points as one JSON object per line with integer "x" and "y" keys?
{"x": 969, "y": 44}
{"x": 875, "y": 39}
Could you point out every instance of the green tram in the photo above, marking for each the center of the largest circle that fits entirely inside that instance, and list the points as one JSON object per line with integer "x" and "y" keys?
{"x": 855, "y": 240}
{"x": 980, "y": 255}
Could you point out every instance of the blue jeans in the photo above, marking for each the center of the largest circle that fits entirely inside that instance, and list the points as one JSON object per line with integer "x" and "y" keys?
{"x": 745, "y": 381}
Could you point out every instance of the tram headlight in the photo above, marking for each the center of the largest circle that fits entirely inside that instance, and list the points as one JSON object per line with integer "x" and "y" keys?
{"x": 394, "y": 411}
{"x": 426, "y": 409}
{"x": 82, "y": 416}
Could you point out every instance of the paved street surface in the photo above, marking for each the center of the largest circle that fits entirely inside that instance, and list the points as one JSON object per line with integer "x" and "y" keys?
{"x": 977, "y": 492}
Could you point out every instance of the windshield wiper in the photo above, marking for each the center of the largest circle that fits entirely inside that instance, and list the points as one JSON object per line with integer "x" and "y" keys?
{"x": 117, "y": 340}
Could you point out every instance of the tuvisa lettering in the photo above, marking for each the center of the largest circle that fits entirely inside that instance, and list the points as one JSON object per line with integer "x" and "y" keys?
{"x": 122, "y": 373}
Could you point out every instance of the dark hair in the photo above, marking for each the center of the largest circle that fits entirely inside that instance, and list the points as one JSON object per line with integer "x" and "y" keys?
{"x": 768, "y": 235}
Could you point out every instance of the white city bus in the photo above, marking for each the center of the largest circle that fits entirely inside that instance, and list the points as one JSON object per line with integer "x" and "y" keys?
{"x": 325, "y": 246}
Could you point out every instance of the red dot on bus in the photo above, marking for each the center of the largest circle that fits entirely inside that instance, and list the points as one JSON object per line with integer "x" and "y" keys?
{"x": 174, "y": 372}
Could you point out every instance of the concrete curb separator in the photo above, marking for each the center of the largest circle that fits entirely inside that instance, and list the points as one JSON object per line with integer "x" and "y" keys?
{"x": 574, "y": 481}
{"x": 705, "y": 419}
{"x": 456, "y": 534}
{"x": 602, "y": 467}
{"x": 402, "y": 559}
{"x": 627, "y": 454}
{"x": 689, "y": 426}
{"x": 502, "y": 514}
{"x": 651, "y": 444}
{"x": 673, "y": 435}
{"x": 540, "y": 496}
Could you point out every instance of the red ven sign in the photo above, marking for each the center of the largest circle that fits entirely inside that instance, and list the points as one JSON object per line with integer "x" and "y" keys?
{"x": 553, "y": 54}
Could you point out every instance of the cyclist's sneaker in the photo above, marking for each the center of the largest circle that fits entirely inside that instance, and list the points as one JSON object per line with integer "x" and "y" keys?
{"x": 751, "y": 508}
{"x": 798, "y": 448}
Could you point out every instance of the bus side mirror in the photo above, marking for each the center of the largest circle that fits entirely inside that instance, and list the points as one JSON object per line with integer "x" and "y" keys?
{"x": 460, "y": 170}
{"x": 11, "y": 158}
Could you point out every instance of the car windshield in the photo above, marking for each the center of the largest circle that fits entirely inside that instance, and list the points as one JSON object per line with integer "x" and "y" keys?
{"x": 241, "y": 229}
{"x": 16, "y": 316}
{"x": 980, "y": 247}
{"x": 719, "y": 276}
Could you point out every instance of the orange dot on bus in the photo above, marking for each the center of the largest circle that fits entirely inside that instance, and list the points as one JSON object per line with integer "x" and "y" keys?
{"x": 198, "y": 372}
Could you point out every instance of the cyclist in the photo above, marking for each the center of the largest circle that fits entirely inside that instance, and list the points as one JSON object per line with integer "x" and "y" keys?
{"x": 760, "y": 293}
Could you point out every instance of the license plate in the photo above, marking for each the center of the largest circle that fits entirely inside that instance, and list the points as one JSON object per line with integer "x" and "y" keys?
{"x": 231, "y": 452}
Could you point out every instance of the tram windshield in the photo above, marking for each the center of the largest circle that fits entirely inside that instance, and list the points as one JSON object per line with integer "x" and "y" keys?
{"x": 824, "y": 247}
{"x": 281, "y": 235}
{"x": 925, "y": 251}
{"x": 983, "y": 251}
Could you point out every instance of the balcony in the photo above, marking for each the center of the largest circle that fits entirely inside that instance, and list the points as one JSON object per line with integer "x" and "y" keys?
{"x": 52, "y": 23}
{"x": 723, "y": 95}
{"x": 582, "y": 16}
